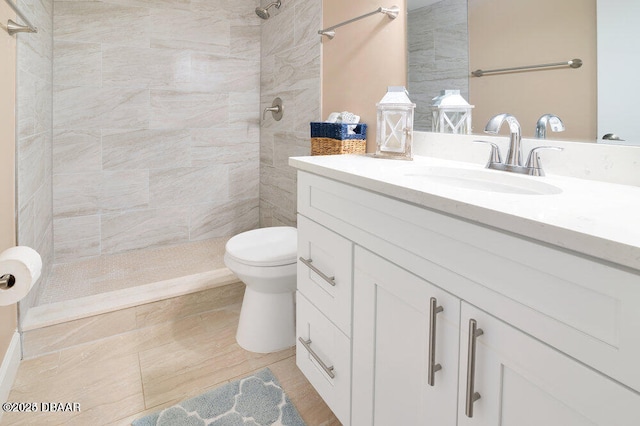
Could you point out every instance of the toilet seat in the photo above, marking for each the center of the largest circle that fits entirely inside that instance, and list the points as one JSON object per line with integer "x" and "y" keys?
{"x": 275, "y": 246}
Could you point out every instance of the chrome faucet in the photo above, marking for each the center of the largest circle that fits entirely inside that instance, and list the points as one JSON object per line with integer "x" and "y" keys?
{"x": 555, "y": 124}
{"x": 514, "y": 154}
{"x": 513, "y": 162}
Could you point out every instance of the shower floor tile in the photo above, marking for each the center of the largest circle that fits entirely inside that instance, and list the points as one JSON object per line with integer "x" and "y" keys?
{"x": 125, "y": 270}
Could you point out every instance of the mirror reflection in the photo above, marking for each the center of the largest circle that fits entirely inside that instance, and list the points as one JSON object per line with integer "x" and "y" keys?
{"x": 447, "y": 39}
{"x": 438, "y": 54}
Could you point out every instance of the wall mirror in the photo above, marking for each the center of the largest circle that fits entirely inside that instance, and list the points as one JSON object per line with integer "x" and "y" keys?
{"x": 448, "y": 39}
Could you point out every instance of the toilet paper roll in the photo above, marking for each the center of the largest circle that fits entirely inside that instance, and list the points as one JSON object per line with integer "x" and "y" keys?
{"x": 25, "y": 265}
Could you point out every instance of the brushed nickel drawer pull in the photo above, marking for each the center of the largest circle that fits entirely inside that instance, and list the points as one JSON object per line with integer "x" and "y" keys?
{"x": 472, "y": 395}
{"x": 307, "y": 262}
{"x": 307, "y": 346}
{"x": 434, "y": 310}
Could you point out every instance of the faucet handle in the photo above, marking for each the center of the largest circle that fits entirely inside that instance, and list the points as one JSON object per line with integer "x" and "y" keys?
{"x": 534, "y": 167}
{"x": 494, "y": 156}
{"x": 276, "y": 108}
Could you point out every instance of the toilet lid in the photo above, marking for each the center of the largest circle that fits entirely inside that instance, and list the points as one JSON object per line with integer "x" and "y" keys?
{"x": 273, "y": 246}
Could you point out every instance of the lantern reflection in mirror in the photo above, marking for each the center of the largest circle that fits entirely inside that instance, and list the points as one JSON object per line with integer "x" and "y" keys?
{"x": 451, "y": 113}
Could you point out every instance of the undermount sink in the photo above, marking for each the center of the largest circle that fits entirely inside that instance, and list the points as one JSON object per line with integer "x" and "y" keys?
{"x": 484, "y": 180}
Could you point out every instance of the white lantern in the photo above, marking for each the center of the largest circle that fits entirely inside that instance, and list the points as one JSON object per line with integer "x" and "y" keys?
{"x": 451, "y": 113}
{"x": 395, "y": 124}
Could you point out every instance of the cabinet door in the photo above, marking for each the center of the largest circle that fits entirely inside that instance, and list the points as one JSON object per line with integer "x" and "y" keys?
{"x": 523, "y": 382}
{"x": 390, "y": 368}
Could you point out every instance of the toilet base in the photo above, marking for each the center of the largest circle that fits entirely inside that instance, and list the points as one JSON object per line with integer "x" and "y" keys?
{"x": 267, "y": 321}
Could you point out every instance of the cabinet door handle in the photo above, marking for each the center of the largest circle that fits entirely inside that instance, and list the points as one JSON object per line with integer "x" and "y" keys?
{"x": 307, "y": 346}
{"x": 472, "y": 395}
{"x": 434, "y": 310}
{"x": 307, "y": 262}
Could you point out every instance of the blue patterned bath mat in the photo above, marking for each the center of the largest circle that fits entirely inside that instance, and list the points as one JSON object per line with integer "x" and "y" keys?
{"x": 256, "y": 400}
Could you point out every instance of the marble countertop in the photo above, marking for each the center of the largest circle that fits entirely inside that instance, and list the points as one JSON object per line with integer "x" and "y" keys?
{"x": 594, "y": 218}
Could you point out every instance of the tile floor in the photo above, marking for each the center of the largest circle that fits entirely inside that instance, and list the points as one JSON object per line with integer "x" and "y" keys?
{"x": 121, "y": 378}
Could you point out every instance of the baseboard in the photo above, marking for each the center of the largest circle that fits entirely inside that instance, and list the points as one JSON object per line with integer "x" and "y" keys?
{"x": 9, "y": 367}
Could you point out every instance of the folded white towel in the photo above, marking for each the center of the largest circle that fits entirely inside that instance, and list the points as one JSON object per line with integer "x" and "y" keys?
{"x": 349, "y": 117}
{"x": 343, "y": 117}
{"x": 333, "y": 117}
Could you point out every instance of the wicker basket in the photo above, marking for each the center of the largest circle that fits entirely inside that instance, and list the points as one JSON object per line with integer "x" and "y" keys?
{"x": 335, "y": 138}
{"x": 328, "y": 146}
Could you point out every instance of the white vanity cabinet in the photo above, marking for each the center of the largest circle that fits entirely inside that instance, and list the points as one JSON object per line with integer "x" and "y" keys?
{"x": 404, "y": 371}
{"x": 520, "y": 381}
{"x": 560, "y": 342}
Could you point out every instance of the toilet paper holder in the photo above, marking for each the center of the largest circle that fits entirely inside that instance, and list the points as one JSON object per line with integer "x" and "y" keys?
{"x": 7, "y": 281}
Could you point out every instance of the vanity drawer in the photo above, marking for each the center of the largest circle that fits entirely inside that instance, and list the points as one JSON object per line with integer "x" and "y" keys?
{"x": 325, "y": 271}
{"x": 323, "y": 354}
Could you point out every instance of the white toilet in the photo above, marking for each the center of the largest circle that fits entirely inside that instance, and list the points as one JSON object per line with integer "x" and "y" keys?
{"x": 265, "y": 260}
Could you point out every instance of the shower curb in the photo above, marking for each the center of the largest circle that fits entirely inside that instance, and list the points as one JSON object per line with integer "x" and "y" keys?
{"x": 93, "y": 318}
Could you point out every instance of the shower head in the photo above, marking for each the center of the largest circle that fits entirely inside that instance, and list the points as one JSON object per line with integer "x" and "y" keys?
{"x": 263, "y": 12}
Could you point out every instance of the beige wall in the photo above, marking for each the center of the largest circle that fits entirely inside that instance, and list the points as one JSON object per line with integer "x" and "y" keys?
{"x": 362, "y": 60}
{"x": 7, "y": 162}
{"x": 507, "y": 33}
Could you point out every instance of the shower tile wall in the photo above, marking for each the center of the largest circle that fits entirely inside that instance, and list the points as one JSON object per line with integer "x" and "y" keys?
{"x": 438, "y": 55}
{"x": 33, "y": 138}
{"x": 156, "y": 123}
{"x": 291, "y": 70}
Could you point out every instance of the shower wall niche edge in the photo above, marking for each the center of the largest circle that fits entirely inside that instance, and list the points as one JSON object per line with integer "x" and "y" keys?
{"x": 34, "y": 110}
{"x": 290, "y": 69}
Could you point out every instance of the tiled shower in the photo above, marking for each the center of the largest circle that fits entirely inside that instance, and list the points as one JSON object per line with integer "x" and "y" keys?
{"x": 147, "y": 120}
{"x": 156, "y": 124}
